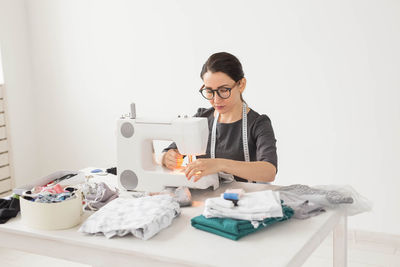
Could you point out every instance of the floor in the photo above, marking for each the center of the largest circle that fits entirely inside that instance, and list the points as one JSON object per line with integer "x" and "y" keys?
{"x": 364, "y": 250}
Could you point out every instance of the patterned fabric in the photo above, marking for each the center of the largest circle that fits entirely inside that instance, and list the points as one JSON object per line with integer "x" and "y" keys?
{"x": 143, "y": 217}
{"x": 53, "y": 194}
{"x": 54, "y": 198}
{"x": 317, "y": 195}
{"x": 180, "y": 194}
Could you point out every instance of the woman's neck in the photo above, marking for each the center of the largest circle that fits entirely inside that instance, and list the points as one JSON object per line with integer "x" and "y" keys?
{"x": 234, "y": 115}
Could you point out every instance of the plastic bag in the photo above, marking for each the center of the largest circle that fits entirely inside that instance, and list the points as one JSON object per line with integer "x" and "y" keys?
{"x": 360, "y": 203}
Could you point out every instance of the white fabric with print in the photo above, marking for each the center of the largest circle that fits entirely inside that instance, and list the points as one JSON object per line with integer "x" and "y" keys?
{"x": 143, "y": 217}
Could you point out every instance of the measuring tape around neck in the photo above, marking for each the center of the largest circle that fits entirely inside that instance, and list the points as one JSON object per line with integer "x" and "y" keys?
{"x": 244, "y": 139}
{"x": 226, "y": 177}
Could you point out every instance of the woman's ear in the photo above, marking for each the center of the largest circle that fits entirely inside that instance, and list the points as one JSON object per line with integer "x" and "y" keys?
{"x": 242, "y": 84}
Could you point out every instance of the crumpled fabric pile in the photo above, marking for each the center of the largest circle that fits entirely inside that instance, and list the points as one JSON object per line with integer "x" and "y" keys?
{"x": 303, "y": 209}
{"x": 142, "y": 217}
{"x": 9, "y": 208}
{"x": 97, "y": 195}
{"x": 49, "y": 194}
{"x": 320, "y": 196}
{"x": 180, "y": 194}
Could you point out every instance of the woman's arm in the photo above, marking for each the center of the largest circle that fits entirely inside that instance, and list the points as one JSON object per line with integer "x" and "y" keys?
{"x": 259, "y": 171}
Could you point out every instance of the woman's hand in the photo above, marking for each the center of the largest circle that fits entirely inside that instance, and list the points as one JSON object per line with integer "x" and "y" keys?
{"x": 202, "y": 167}
{"x": 172, "y": 159}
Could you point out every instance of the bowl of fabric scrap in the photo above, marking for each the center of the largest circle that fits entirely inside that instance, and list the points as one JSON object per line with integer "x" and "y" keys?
{"x": 51, "y": 208}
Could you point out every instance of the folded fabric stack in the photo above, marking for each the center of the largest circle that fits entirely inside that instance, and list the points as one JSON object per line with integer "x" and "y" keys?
{"x": 255, "y": 206}
{"x": 235, "y": 229}
{"x": 253, "y": 212}
{"x": 143, "y": 217}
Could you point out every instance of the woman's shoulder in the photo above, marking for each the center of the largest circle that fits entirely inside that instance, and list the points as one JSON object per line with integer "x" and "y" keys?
{"x": 204, "y": 112}
{"x": 259, "y": 123}
{"x": 258, "y": 118}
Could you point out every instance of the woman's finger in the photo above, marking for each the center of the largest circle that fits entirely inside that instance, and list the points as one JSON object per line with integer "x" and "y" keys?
{"x": 197, "y": 172}
{"x": 175, "y": 153}
{"x": 192, "y": 173}
{"x": 191, "y": 169}
{"x": 171, "y": 163}
{"x": 188, "y": 169}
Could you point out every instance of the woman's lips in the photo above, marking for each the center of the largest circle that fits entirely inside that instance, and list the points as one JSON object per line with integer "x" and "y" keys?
{"x": 219, "y": 107}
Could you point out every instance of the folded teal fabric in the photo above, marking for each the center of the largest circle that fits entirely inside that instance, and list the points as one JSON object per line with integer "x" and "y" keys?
{"x": 236, "y": 229}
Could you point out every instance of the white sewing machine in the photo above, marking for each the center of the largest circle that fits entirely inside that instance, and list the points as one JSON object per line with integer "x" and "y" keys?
{"x": 137, "y": 168}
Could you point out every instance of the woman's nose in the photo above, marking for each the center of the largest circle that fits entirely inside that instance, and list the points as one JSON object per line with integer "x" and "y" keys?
{"x": 217, "y": 98}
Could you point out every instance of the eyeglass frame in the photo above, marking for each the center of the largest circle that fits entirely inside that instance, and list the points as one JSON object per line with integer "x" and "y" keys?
{"x": 216, "y": 90}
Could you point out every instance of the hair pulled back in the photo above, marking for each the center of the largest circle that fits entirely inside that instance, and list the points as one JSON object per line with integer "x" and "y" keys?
{"x": 223, "y": 62}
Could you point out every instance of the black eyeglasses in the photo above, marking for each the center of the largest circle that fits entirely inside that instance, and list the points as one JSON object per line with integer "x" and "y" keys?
{"x": 223, "y": 92}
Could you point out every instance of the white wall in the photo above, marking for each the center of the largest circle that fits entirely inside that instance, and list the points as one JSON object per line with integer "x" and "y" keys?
{"x": 18, "y": 90}
{"x": 325, "y": 72}
{"x": 1, "y": 69}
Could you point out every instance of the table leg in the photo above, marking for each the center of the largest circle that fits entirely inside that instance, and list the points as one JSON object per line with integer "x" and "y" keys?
{"x": 340, "y": 243}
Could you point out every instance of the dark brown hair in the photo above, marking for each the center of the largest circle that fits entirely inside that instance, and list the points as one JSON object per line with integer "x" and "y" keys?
{"x": 223, "y": 62}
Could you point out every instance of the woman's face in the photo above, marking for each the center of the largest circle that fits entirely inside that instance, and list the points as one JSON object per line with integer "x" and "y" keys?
{"x": 215, "y": 80}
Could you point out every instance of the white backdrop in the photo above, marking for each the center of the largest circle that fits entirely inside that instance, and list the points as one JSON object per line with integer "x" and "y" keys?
{"x": 1, "y": 70}
{"x": 326, "y": 73}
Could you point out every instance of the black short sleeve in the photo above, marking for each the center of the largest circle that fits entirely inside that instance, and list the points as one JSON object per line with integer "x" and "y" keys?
{"x": 265, "y": 140}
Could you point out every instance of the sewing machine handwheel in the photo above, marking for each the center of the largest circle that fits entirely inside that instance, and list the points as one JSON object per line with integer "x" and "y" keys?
{"x": 128, "y": 179}
{"x": 127, "y": 130}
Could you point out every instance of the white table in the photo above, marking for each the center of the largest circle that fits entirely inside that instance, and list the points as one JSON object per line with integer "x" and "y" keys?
{"x": 287, "y": 243}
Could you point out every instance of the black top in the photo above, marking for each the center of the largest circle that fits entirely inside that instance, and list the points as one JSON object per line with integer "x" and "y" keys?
{"x": 229, "y": 141}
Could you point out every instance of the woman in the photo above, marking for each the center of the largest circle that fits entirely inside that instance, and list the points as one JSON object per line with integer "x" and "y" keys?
{"x": 247, "y": 158}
